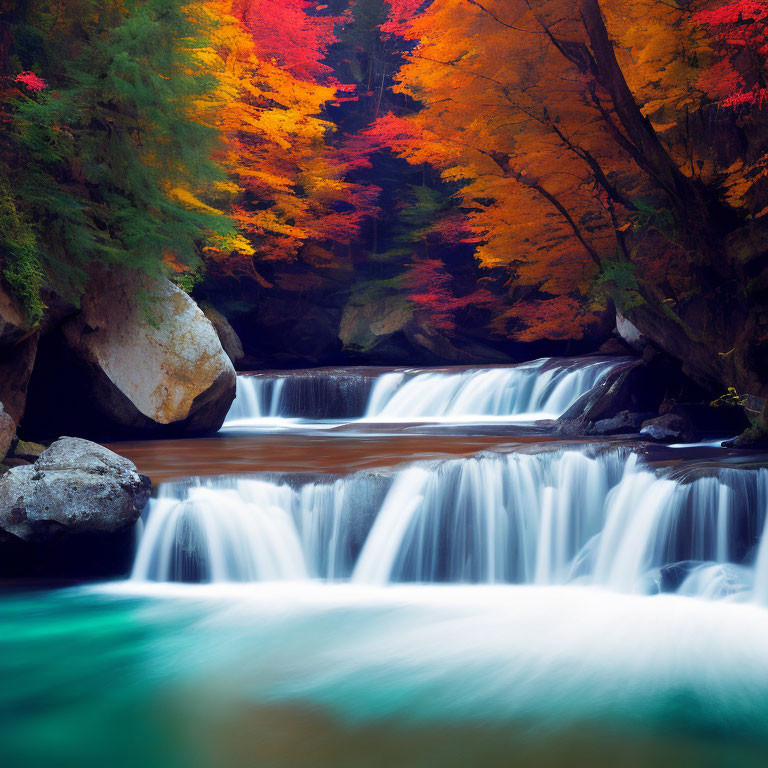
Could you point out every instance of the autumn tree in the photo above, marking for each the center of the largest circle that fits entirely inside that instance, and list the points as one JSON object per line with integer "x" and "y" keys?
{"x": 584, "y": 137}
{"x": 106, "y": 159}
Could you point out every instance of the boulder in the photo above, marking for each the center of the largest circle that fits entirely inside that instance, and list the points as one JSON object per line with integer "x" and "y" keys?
{"x": 140, "y": 359}
{"x": 669, "y": 428}
{"x": 623, "y": 423}
{"x": 74, "y": 488}
{"x": 229, "y": 339}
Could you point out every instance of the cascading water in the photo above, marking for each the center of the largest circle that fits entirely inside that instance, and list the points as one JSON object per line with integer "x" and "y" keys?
{"x": 564, "y": 516}
{"x": 542, "y": 389}
{"x": 537, "y": 390}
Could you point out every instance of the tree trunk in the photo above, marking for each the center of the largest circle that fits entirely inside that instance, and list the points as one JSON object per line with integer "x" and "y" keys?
{"x": 702, "y": 219}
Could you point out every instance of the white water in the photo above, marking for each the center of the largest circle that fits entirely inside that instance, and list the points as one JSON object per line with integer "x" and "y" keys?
{"x": 537, "y": 390}
{"x": 553, "y": 518}
{"x": 543, "y": 389}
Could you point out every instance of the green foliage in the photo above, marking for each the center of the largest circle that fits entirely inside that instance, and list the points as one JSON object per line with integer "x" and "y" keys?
{"x": 21, "y": 267}
{"x": 113, "y": 165}
{"x": 186, "y": 280}
{"x": 619, "y": 277}
{"x": 648, "y": 215}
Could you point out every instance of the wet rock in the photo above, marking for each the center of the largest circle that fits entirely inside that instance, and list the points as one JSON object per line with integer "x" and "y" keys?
{"x": 752, "y": 438}
{"x": 616, "y": 393}
{"x": 140, "y": 359}
{"x": 670, "y": 428}
{"x": 75, "y": 488}
{"x": 623, "y": 423}
{"x": 229, "y": 339}
{"x": 636, "y": 386}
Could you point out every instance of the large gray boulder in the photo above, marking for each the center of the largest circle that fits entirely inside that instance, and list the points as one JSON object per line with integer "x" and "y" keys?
{"x": 75, "y": 488}
{"x": 139, "y": 359}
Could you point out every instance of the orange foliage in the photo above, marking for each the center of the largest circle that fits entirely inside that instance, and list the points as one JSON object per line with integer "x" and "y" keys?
{"x": 565, "y": 123}
{"x": 288, "y": 173}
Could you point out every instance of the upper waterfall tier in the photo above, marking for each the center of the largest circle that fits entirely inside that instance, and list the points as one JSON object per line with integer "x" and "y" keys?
{"x": 591, "y": 516}
{"x": 542, "y": 389}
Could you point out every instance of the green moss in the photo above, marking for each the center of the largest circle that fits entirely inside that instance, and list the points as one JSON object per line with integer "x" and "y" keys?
{"x": 21, "y": 267}
{"x": 619, "y": 280}
{"x": 91, "y": 157}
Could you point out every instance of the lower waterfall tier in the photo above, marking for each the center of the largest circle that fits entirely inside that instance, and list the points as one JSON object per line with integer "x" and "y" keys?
{"x": 595, "y": 515}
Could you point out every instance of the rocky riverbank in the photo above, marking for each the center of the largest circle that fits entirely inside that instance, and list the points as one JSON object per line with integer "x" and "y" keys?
{"x": 138, "y": 358}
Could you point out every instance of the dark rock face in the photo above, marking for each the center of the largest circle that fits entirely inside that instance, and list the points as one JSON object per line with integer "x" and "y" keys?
{"x": 13, "y": 324}
{"x": 229, "y": 339}
{"x": 123, "y": 367}
{"x": 717, "y": 348}
{"x": 615, "y": 347}
{"x": 7, "y": 432}
{"x": 670, "y": 428}
{"x": 18, "y": 345}
{"x": 639, "y": 390}
{"x": 76, "y": 492}
{"x": 16, "y": 364}
{"x": 628, "y": 388}
{"x": 288, "y": 331}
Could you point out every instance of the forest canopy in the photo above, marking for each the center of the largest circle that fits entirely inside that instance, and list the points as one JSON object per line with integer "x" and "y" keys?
{"x": 512, "y": 164}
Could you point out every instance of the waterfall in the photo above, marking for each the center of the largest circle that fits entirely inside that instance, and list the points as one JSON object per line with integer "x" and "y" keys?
{"x": 594, "y": 516}
{"x": 307, "y": 394}
{"x": 542, "y": 389}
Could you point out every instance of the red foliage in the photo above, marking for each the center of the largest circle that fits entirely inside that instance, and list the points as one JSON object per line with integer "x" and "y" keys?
{"x": 291, "y": 33}
{"x": 400, "y": 14}
{"x": 557, "y": 318}
{"x": 31, "y": 81}
{"x": 429, "y": 287}
{"x": 740, "y": 37}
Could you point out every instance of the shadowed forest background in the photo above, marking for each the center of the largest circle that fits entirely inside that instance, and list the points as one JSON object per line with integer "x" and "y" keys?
{"x": 405, "y": 181}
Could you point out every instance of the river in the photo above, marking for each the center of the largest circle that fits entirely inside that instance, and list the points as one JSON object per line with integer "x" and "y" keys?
{"x": 379, "y": 567}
